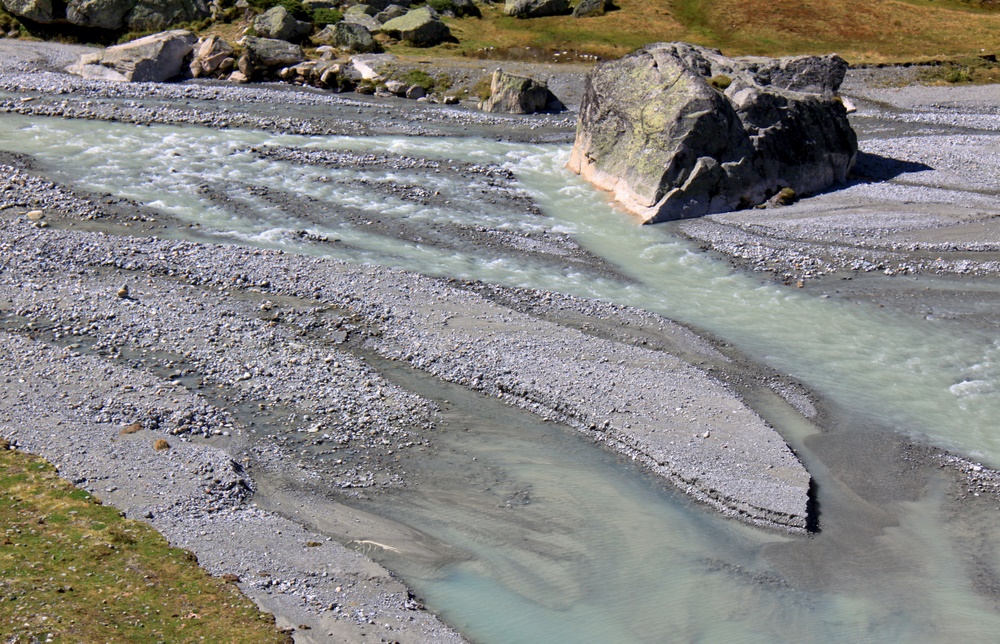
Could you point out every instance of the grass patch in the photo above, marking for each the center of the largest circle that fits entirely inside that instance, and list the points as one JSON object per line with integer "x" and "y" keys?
{"x": 326, "y": 16}
{"x": 961, "y": 71}
{"x": 76, "y": 570}
{"x": 860, "y": 30}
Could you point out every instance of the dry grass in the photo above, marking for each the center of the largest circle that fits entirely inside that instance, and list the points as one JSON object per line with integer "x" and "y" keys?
{"x": 73, "y": 570}
{"x": 860, "y": 30}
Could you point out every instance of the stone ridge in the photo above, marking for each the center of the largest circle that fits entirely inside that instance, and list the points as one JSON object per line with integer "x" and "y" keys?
{"x": 676, "y": 130}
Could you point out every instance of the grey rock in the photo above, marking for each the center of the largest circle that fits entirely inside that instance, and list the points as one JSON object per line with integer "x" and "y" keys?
{"x": 363, "y": 19}
{"x": 278, "y": 24}
{"x": 420, "y": 27}
{"x": 415, "y": 92}
{"x": 365, "y": 9}
{"x": 535, "y": 8}
{"x": 586, "y": 8}
{"x": 148, "y": 15}
{"x": 36, "y": 10}
{"x": 209, "y": 55}
{"x": 373, "y": 66}
{"x": 395, "y": 87}
{"x": 155, "y": 58}
{"x": 349, "y": 36}
{"x": 270, "y": 52}
{"x": 390, "y": 12}
{"x": 514, "y": 94}
{"x": 676, "y": 130}
{"x": 103, "y": 14}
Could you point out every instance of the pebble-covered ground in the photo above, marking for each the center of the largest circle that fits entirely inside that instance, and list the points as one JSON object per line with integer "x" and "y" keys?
{"x": 255, "y": 366}
{"x": 251, "y": 364}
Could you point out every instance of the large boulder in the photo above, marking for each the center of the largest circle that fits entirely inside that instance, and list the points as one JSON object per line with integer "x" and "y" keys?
{"x": 535, "y": 8}
{"x": 675, "y": 130}
{"x": 270, "y": 52}
{"x": 350, "y": 37}
{"x": 35, "y": 10}
{"x": 363, "y": 19}
{"x": 103, "y": 14}
{"x": 420, "y": 27}
{"x": 149, "y": 15}
{"x": 514, "y": 94}
{"x": 154, "y": 59}
{"x": 586, "y": 8}
{"x": 277, "y": 23}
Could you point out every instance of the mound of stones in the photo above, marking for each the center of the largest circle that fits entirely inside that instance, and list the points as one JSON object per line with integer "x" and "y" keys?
{"x": 675, "y": 130}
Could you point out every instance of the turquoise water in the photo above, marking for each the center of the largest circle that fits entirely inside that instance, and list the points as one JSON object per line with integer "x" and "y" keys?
{"x": 602, "y": 553}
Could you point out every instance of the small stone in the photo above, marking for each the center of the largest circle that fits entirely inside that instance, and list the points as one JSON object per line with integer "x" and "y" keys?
{"x": 131, "y": 429}
{"x": 123, "y": 291}
{"x": 35, "y": 215}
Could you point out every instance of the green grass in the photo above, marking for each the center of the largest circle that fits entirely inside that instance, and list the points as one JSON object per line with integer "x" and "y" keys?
{"x": 75, "y": 570}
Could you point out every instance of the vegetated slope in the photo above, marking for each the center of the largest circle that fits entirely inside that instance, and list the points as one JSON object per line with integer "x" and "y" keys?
{"x": 74, "y": 570}
{"x": 860, "y": 30}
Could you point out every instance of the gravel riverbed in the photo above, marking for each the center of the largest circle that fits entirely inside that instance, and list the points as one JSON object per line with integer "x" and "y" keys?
{"x": 256, "y": 365}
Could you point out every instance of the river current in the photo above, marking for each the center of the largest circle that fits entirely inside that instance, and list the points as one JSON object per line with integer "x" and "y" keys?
{"x": 604, "y": 553}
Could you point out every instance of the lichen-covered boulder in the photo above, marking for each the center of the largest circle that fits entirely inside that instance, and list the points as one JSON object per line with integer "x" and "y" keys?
{"x": 586, "y": 8}
{"x": 363, "y": 19}
{"x": 34, "y": 10}
{"x": 514, "y": 94}
{"x": 535, "y": 8}
{"x": 149, "y": 15}
{"x": 350, "y": 37}
{"x": 270, "y": 52}
{"x": 278, "y": 24}
{"x": 155, "y": 58}
{"x": 420, "y": 27}
{"x": 103, "y": 14}
{"x": 676, "y": 130}
{"x": 390, "y": 12}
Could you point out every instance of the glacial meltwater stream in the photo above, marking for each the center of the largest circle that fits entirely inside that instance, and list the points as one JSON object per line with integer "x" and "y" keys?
{"x": 604, "y": 553}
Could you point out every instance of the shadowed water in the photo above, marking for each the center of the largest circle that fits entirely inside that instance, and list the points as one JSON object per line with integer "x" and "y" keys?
{"x": 599, "y": 552}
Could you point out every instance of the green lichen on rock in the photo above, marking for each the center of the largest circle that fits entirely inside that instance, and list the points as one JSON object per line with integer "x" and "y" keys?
{"x": 657, "y": 129}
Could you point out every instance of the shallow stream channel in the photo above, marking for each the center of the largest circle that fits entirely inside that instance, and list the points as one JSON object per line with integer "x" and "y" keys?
{"x": 583, "y": 545}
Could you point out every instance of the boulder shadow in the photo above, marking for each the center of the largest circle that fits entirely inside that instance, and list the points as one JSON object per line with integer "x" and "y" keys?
{"x": 873, "y": 168}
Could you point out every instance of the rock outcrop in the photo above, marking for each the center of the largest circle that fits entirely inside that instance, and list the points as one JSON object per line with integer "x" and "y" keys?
{"x": 420, "y": 27}
{"x": 514, "y": 94}
{"x": 676, "y": 130}
{"x": 535, "y": 8}
{"x": 155, "y": 58}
